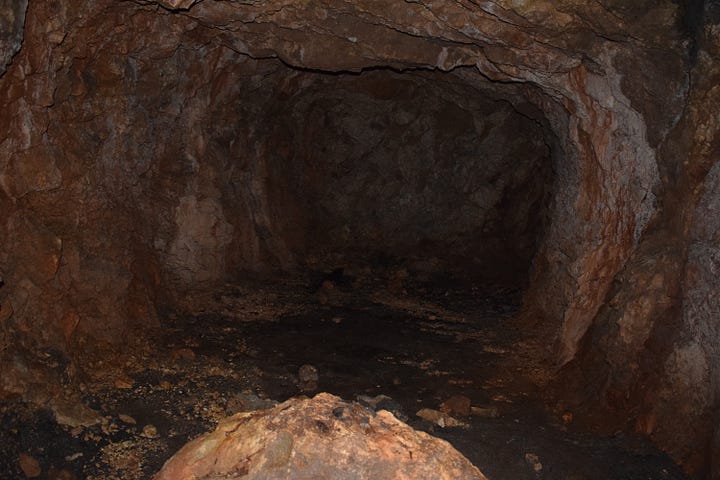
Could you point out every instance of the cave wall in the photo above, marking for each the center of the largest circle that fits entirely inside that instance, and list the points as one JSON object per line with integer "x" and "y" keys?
{"x": 407, "y": 165}
{"x": 12, "y": 19}
{"x": 652, "y": 350}
{"x": 131, "y": 170}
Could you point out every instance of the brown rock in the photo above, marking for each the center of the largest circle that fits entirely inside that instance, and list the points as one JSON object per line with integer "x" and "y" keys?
{"x": 127, "y": 419}
{"x": 29, "y": 466}
{"x": 319, "y": 438}
{"x": 440, "y": 419}
{"x": 177, "y": 4}
{"x": 182, "y": 354}
{"x": 457, "y": 405}
{"x": 488, "y": 412}
{"x": 73, "y": 413}
{"x": 309, "y": 378}
{"x": 534, "y": 462}
{"x": 123, "y": 383}
{"x": 246, "y": 401}
{"x": 149, "y": 431}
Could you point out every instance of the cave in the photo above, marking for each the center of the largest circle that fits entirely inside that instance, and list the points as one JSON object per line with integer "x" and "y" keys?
{"x": 496, "y": 220}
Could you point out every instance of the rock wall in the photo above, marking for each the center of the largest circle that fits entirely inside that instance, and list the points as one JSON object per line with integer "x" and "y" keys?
{"x": 652, "y": 349}
{"x": 407, "y": 165}
{"x": 135, "y": 164}
{"x": 12, "y": 19}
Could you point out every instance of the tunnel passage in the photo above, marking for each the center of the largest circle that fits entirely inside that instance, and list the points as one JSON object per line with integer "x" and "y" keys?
{"x": 153, "y": 149}
{"x": 416, "y": 167}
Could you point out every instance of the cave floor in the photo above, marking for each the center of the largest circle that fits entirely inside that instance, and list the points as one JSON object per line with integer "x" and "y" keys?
{"x": 242, "y": 347}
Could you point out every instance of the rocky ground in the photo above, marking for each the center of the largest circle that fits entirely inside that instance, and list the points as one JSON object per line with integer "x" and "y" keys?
{"x": 442, "y": 359}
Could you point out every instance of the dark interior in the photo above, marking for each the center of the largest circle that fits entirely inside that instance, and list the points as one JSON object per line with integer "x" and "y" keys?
{"x": 386, "y": 165}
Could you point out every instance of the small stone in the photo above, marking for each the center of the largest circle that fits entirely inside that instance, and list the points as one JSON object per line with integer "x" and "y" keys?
{"x": 165, "y": 385}
{"x": 149, "y": 431}
{"x": 309, "y": 378}
{"x": 248, "y": 401}
{"x": 567, "y": 417}
{"x": 457, "y": 405}
{"x": 383, "y": 402}
{"x": 73, "y": 413}
{"x": 127, "y": 419}
{"x": 440, "y": 419}
{"x": 29, "y": 466}
{"x": 534, "y": 461}
{"x": 182, "y": 354}
{"x": 123, "y": 383}
{"x": 308, "y": 373}
{"x": 487, "y": 412}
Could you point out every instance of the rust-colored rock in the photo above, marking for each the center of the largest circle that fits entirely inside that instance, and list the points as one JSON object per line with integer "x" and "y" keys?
{"x": 29, "y": 466}
{"x": 318, "y": 438}
{"x": 457, "y": 405}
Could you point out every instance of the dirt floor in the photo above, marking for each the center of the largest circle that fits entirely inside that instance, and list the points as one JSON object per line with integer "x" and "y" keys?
{"x": 396, "y": 346}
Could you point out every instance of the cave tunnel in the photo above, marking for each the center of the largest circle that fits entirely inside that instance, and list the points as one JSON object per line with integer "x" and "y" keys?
{"x": 377, "y": 166}
{"x": 496, "y": 221}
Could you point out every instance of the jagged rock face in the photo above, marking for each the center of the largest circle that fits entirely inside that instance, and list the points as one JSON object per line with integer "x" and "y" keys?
{"x": 147, "y": 149}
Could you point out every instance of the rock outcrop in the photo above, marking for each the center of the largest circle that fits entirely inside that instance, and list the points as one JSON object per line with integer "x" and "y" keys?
{"x": 319, "y": 438}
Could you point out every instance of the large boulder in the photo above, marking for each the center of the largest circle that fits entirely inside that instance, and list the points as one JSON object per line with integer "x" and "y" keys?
{"x": 319, "y": 438}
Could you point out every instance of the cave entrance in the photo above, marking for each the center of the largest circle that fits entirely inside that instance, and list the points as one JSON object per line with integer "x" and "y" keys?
{"x": 415, "y": 170}
{"x": 396, "y": 216}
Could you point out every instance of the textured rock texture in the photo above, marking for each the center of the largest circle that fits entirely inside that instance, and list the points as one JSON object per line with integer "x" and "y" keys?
{"x": 148, "y": 149}
{"x": 406, "y": 165}
{"x": 12, "y": 18}
{"x": 318, "y": 438}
